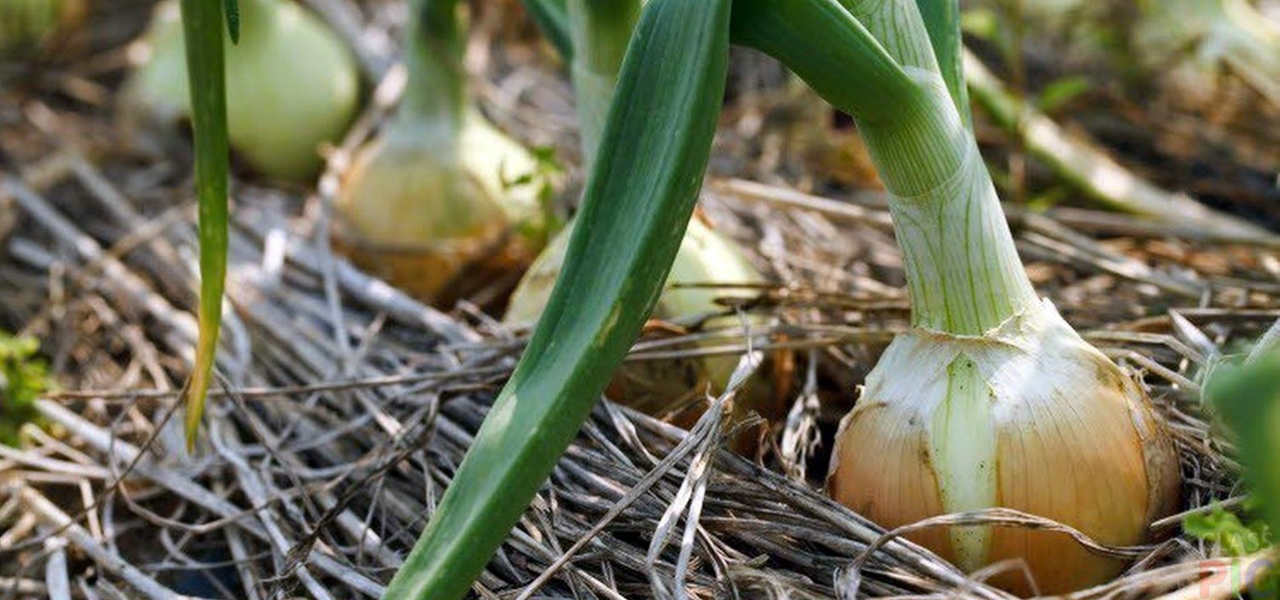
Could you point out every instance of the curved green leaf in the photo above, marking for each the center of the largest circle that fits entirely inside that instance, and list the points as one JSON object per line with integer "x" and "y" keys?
{"x": 827, "y": 47}
{"x": 638, "y": 199}
{"x": 202, "y": 28}
{"x": 942, "y": 19}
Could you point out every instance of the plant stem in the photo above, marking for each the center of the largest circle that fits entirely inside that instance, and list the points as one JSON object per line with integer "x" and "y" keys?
{"x": 874, "y": 59}
{"x": 600, "y": 30}
{"x": 963, "y": 270}
{"x": 1252, "y": 47}
{"x": 435, "y": 96}
{"x": 942, "y": 19}
{"x": 202, "y": 28}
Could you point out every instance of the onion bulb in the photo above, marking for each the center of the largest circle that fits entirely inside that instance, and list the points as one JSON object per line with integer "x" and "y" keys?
{"x": 292, "y": 86}
{"x": 441, "y": 203}
{"x": 26, "y": 26}
{"x": 674, "y": 388}
{"x": 991, "y": 399}
{"x": 438, "y": 216}
{"x": 1029, "y": 417}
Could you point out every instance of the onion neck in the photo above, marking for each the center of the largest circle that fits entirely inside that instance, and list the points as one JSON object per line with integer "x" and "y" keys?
{"x": 435, "y": 96}
{"x": 600, "y": 30}
{"x": 962, "y": 267}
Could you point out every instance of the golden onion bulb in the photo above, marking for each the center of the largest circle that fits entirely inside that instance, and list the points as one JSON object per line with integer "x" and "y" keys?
{"x": 438, "y": 214}
{"x": 1029, "y": 417}
{"x": 292, "y": 85}
{"x": 674, "y": 388}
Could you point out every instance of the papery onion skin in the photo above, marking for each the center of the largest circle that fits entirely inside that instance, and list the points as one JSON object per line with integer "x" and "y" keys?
{"x": 1076, "y": 440}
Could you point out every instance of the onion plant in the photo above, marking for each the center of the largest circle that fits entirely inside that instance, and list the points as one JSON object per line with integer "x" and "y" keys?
{"x": 672, "y": 388}
{"x": 990, "y": 399}
{"x": 441, "y": 199}
{"x": 292, "y": 85}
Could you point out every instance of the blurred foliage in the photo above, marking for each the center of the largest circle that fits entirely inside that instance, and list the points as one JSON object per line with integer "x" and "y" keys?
{"x": 546, "y": 169}
{"x": 1228, "y": 531}
{"x": 1244, "y": 396}
{"x": 1238, "y": 537}
{"x": 22, "y": 379}
{"x": 1060, "y": 92}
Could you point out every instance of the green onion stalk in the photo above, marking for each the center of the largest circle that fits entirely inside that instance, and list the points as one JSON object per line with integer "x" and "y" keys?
{"x": 670, "y": 388}
{"x": 440, "y": 201}
{"x": 292, "y": 85}
{"x": 202, "y": 22}
{"x": 990, "y": 399}
{"x": 638, "y": 199}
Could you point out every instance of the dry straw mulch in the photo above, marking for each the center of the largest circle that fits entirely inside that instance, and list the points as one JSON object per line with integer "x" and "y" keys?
{"x": 343, "y": 406}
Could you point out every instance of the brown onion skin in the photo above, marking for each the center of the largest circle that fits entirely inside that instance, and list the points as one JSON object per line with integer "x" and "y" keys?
{"x": 1121, "y": 477}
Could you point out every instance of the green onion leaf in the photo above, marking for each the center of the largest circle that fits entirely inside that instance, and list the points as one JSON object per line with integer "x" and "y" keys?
{"x": 233, "y": 20}
{"x": 638, "y": 200}
{"x": 831, "y": 50}
{"x": 942, "y": 19}
{"x": 202, "y": 27}
{"x": 1247, "y": 399}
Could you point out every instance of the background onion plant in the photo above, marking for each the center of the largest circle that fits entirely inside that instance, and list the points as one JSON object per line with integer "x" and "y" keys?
{"x": 441, "y": 202}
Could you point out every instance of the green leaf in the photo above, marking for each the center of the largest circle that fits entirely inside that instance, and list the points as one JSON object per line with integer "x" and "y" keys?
{"x": 202, "y": 28}
{"x": 233, "y": 20}
{"x": 22, "y": 379}
{"x": 1247, "y": 400}
{"x": 638, "y": 200}
{"x": 827, "y": 47}
{"x": 942, "y": 19}
{"x": 1225, "y": 529}
{"x": 1061, "y": 91}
